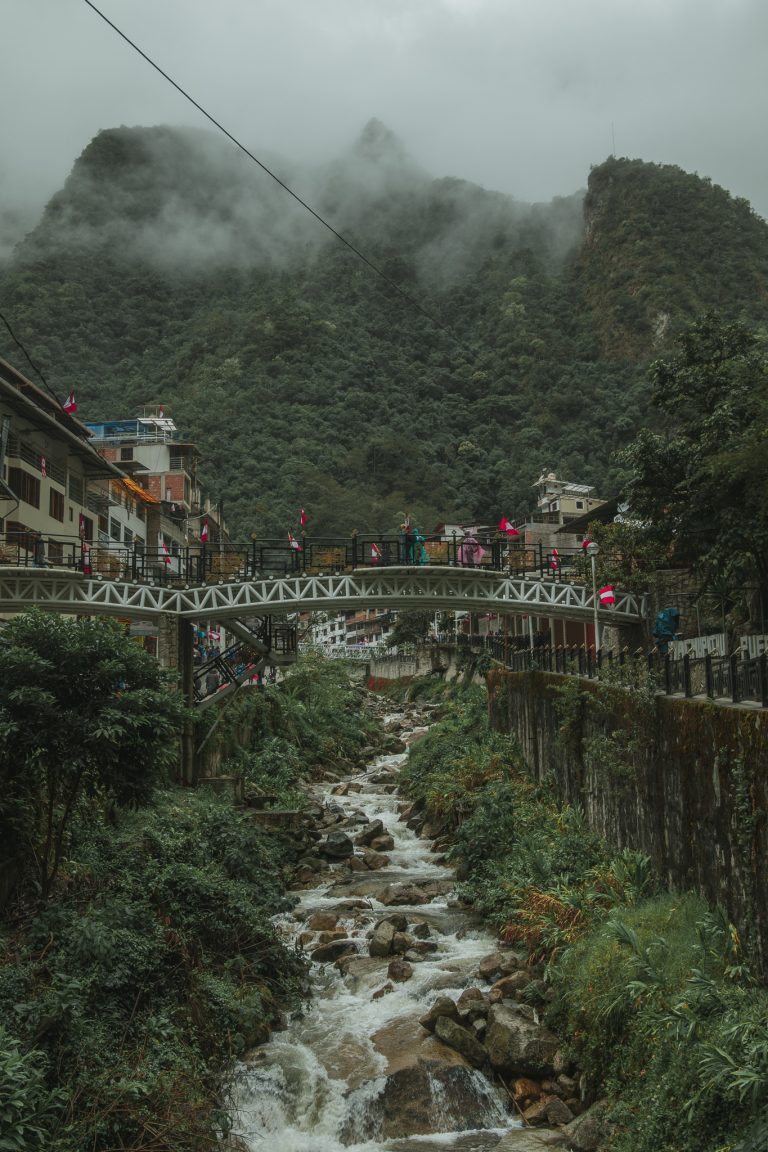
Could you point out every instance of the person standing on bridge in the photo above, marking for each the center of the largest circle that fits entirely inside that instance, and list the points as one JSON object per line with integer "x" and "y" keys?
{"x": 471, "y": 551}
{"x": 408, "y": 540}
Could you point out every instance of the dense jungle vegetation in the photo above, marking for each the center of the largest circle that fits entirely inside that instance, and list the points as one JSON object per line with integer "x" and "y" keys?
{"x": 137, "y": 955}
{"x": 168, "y": 270}
{"x": 652, "y": 993}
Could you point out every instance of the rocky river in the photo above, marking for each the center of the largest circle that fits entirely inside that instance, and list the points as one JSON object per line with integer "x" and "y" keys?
{"x": 417, "y": 1036}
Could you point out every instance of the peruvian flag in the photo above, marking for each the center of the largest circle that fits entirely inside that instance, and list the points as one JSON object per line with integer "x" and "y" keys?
{"x": 606, "y": 595}
{"x": 293, "y": 542}
{"x": 81, "y": 526}
{"x": 164, "y": 551}
{"x": 204, "y": 530}
{"x": 302, "y": 517}
{"x": 86, "y": 558}
{"x": 43, "y": 466}
{"x": 161, "y": 413}
{"x": 508, "y": 527}
{"x": 555, "y": 559}
{"x": 375, "y": 553}
{"x": 213, "y": 635}
{"x": 69, "y": 404}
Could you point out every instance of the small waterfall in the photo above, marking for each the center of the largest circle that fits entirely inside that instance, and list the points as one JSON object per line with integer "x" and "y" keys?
{"x": 357, "y": 1072}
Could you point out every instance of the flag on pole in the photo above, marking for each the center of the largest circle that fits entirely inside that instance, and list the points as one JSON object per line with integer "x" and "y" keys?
{"x": 375, "y": 553}
{"x": 607, "y": 597}
{"x": 302, "y": 517}
{"x": 164, "y": 551}
{"x": 204, "y": 530}
{"x": 554, "y": 561}
{"x": 69, "y": 404}
{"x": 213, "y": 635}
{"x": 161, "y": 412}
{"x": 507, "y": 526}
{"x": 86, "y": 558}
{"x": 293, "y": 542}
{"x": 43, "y": 466}
{"x": 81, "y": 526}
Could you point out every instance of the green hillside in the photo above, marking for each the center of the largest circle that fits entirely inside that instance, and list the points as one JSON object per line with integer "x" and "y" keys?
{"x": 170, "y": 269}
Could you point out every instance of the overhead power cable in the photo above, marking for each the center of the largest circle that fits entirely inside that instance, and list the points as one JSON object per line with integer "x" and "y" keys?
{"x": 217, "y": 124}
{"x": 34, "y": 366}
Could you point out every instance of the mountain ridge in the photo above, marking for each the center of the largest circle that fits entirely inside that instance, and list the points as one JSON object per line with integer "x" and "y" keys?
{"x": 165, "y": 270}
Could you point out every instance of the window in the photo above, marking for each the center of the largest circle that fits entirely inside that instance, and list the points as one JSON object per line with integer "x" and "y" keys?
{"x": 579, "y": 503}
{"x": 56, "y": 505}
{"x": 104, "y": 525}
{"x": 114, "y": 528}
{"x": 87, "y": 528}
{"x": 128, "y": 536}
{"x": 26, "y": 487}
{"x": 126, "y": 453}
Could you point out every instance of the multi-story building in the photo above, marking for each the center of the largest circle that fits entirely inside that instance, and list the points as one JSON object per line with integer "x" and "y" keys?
{"x": 164, "y": 467}
{"x": 54, "y": 484}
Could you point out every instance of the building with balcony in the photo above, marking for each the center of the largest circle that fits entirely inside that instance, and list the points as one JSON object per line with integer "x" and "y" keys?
{"x": 163, "y": 473}
{"x": 53, "y": 482}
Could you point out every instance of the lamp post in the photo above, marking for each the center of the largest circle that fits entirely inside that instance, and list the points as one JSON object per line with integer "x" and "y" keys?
{"x": 592, "y": 550}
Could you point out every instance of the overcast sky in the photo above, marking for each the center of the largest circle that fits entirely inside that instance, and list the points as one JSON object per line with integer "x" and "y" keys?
{"x": 517, "y": 95}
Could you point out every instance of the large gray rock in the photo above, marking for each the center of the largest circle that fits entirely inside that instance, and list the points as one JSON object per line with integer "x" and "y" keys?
{"x": 382, "y": 938}
{"x": 424, "y": 1098}
{"x": 337, "y": 845}
{"x": 587, "y": 1132}
{"x": 461, "y": 1039}
{"x": 374, "y": 829}
{"x": 517, "y": 1045}
{"x": 333, "y": 950}
{"x": 443, "y": 1006}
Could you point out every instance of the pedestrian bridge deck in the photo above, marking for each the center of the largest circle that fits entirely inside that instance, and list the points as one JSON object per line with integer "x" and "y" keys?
{"x": 426, "y": 588}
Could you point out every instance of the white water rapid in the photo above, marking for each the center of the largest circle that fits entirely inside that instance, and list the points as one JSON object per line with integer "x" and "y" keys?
{"x": 358, "y": 1073}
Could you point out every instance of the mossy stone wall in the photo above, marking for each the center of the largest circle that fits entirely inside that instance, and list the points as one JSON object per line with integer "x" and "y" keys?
{"x": 693, "y": 794}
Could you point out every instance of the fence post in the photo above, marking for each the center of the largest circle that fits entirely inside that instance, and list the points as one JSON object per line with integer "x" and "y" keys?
{"x": 687, "y": 675}
{"x": 733, "y": 663}
{"x": 667, "y": 674}
{"x": 708, "y": 678}
{"x": 762, "y": 679}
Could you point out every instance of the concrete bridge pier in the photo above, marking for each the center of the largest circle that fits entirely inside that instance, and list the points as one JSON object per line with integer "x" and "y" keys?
{"x": 186, "y": 673}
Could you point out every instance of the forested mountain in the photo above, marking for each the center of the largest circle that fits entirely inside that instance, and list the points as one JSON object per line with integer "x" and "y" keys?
{"x": 169, "y": 268}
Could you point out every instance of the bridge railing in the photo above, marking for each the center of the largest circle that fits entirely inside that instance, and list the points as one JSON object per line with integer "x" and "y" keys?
{"x": 306, "y": 555}
{"x": 724, "y": 678}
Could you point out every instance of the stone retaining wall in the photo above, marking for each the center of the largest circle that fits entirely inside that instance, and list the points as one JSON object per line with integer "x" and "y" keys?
{"x": 691, "y": 792}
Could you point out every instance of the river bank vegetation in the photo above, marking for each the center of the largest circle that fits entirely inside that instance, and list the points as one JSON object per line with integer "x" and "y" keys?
{"x": 139, "y": 967}
{"x": 648, "y": 988}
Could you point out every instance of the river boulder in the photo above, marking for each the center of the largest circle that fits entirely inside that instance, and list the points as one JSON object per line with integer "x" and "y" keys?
{"x": 382, "y": 939}
{"x": 443, "y": 1006}
{"x": 516, "y": 1044}
{"x": 337, "y": 845}
{"x": 330, "y": 952}
{"x": 460, "y": 1038}
{"x": 587, "y": 1132}
{"x": 374, "y": 828}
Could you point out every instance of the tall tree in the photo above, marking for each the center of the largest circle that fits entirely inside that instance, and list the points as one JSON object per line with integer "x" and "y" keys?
{"x": 84, "y": 713}
{"x": 701, "y": 481}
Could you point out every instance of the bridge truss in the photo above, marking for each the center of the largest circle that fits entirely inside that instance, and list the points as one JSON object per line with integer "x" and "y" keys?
{"x": 426, "y": 589}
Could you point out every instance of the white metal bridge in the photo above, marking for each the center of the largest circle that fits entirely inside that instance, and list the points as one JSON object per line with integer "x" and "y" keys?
{"x": 425, "y": 588}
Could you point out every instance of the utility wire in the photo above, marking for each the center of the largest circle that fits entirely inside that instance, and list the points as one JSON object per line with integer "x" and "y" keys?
{"x": 347, "y": 243}
{"x": 35, "y": 367}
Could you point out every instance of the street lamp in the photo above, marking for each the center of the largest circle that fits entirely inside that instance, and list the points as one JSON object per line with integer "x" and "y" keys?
{"x": 592, "y": 550}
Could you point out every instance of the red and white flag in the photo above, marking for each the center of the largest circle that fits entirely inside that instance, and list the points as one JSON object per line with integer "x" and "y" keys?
{"x": 69, "y": 405}
{"x": 293, "y": 542}
{"x": 204, "y": 530}
{"x": 213, "y": 635}
{"x": 554, "y": 561}
{"x": 302, "y": 517}
{"x": 375, "y": 553}
{"x": 164, "y": 552}
{"x": 86, "y": 559}
{"x": 606, "y": 595}
{"x": 508, "y": 527}
{"x": 161, "y": 413}
{"x": 586, "y": 543}
{"x": 43, "y": 466}
{"x": 81, "y": 526}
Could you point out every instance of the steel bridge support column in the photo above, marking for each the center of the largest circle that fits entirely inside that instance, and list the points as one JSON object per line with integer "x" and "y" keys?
{"x": 186, "y": 673}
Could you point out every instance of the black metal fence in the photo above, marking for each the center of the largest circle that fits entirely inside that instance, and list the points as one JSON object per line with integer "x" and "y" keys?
{"x": 306, "y": 555}
{"x": 733, "y": 678}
